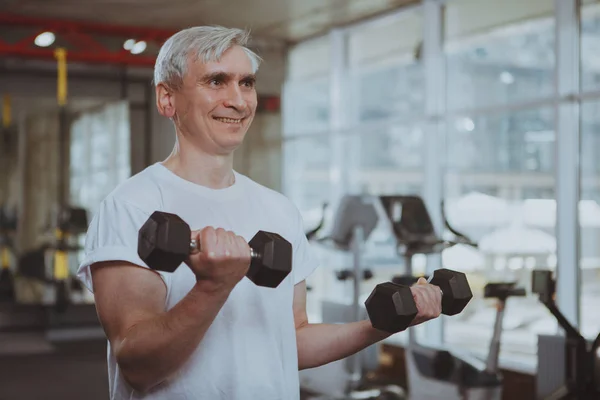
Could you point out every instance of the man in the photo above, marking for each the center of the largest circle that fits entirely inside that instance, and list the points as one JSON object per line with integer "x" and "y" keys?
{"x": 205, "y": 331}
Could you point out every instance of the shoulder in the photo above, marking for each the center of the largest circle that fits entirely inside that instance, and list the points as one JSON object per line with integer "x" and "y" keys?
{"x": 141, "y": 191}
{"x": 275, "y": 200}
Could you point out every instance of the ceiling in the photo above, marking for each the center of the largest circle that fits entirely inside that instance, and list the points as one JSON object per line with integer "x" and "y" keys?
{"x": 287, "y": 20}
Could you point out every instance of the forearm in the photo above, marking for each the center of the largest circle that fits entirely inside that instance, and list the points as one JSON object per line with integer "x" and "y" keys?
{"x": 152, "y": 350}
{"x": 320, "y": 344}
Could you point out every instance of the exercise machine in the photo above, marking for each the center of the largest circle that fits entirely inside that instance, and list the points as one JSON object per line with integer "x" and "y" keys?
{"x": 390, "y": 307}
{"x": 437, "y": 373}
{"x": 312, "y": 234}
{"x": 581, "y": 380}
{"x": 354, "y": 220}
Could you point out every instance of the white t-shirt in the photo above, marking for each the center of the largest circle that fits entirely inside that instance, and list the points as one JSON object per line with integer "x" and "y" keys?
{"x": 249, "y": 351}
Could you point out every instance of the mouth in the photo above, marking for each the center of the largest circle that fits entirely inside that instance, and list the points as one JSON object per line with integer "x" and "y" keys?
{"x": 232, "y": 121}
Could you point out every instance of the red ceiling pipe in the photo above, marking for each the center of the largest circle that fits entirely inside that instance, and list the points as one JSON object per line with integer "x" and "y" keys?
{"x": 80, "y": 56}
{"x": 89, "y": 27}
{"x": 74, "y": 31}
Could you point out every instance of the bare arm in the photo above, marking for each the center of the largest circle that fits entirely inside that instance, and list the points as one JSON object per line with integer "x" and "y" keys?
{"x": 320, "y": 344}
{"x": 150, "y": 343}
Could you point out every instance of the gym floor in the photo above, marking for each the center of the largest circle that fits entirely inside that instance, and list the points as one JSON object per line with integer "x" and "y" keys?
{"x": 73, "y": 371}
{"x": 35, "y": 370}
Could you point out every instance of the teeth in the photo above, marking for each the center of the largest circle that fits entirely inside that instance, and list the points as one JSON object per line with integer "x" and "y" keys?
{"x": 229, "y": 120}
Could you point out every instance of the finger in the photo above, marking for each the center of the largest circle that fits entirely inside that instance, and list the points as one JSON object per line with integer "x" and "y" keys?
{"x": 208, "y": 241}
{"x": 243, "y": 247}
{"x": 231, "y": 245}
{"x": 422, "y": 281}
{"x": 221, "y": 246}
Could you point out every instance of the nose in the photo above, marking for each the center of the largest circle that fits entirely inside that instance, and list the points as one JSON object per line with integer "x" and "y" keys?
{"x": 235, "y": 98}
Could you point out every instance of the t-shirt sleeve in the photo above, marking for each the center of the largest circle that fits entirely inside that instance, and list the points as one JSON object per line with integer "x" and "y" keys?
{"x": 113, "y": 236}
{"x": 305, "y": 260}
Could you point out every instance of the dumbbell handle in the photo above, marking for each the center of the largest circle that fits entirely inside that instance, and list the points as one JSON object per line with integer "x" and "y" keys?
{"x": 195, "y": 247}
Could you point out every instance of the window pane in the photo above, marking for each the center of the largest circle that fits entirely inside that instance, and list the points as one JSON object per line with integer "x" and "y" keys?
{"x": 517, "y": 142}
{"x": 590, "y": 46}
{"x": 390, "y": 92}
{"x": 309, "y": 59}
{"x": 500, "y": 192}
{"x": 100, "y": 145}
{"x": 307, "y": 174}
{"x": 386, "y": 160}
{"x": 385, "y": 63}
{"x": 78, "y": 150}
{"x": 306, "y": 108}
{"x": 499, "y": 57}
{"x": 100, "y": 153}
{"x": 589, "y": 218}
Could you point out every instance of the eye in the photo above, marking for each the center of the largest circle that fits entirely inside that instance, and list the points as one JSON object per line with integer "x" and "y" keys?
{"x": 248, "y": 83}
{"x": 215, "y": 82}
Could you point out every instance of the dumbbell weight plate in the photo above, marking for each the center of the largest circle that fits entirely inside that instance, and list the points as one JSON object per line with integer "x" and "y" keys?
{"x": 274, "y": 262}
{"x": 455, "y": 288}
{"x": 164, "y": 241}
{"x": 391, "y": 307}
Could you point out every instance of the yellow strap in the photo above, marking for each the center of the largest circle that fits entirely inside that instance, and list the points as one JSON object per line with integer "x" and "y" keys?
{"x": 5, "y": 258}
{"x": 6, "y": 111}
{"x": 61, "y": 90}
{"x": 61, "y": 265}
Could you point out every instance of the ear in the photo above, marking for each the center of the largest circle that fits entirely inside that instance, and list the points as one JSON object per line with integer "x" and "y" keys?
{"x": 165, "y": 101}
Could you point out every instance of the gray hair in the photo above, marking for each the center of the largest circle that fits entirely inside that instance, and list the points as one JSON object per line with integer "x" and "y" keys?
{"x": 206, "y": 43}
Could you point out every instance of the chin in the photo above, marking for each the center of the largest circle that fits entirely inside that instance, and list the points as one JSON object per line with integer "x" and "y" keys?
{"x": 230, "y": 143}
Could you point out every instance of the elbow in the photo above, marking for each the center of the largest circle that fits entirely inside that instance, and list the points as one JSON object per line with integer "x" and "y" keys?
{"x": 137, "y": 381}
{"x": 134, "y": 375}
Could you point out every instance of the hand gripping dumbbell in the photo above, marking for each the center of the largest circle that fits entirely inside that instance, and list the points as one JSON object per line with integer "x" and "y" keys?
{"x": 164, "y": 242}
{"x": 391, "y": 307}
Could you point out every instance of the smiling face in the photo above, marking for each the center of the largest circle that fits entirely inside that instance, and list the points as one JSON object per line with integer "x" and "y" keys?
{"x": 216, "y": 102}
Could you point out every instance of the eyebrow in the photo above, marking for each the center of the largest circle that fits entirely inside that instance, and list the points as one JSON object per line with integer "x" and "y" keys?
{"x": 224, "y": 76}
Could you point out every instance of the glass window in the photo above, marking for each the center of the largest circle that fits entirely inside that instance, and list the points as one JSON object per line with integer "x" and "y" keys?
{"x": 522, "y": 141}
{"x": 306, "y": 89}
{"x": 100, "y": 154}
{"x": 307, "y": 172}
{"x": 306, "y": 107}
{"x": 499, "y": 190}
{"x": 498, "y": 57}
{"x": 385, "y": 64}
{"x": 310, "y": 59}
{"x": 386, "y": 159}
{"x": 590, "y": 45}
{"x": 589, "y": 218}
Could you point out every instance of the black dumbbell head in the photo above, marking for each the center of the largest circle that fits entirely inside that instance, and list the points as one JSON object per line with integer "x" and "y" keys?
{"x": 164, "y": 241}
{"x": 456, "y": 289}
{"x": 391, "y": 307}
{"x": 275, "y": 261}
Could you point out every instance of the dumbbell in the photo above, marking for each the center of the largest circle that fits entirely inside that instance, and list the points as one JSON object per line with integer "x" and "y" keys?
{"x": 391, "y": 307}
{"x": 164, "y": 242}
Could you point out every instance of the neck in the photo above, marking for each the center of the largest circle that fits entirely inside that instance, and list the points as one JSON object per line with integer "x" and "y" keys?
{"x": 192, "y": 163}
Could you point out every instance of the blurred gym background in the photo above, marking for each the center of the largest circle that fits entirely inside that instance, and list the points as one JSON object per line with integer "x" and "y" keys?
{"x": 488, "y": 110}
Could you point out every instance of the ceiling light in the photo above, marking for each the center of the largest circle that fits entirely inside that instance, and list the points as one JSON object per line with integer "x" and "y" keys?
{"x": 44, "y": 39}
{"x": 465, "y": 124}
{"x": 507, "y": 78}
{"x": 128, "y": 45}
{"x": 139, "y": 47}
